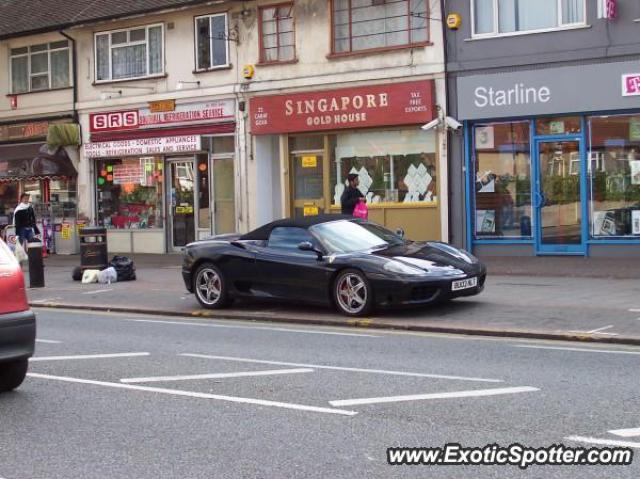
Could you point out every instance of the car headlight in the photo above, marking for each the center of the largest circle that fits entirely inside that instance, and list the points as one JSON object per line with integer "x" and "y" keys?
{"x": 401, "y": 268}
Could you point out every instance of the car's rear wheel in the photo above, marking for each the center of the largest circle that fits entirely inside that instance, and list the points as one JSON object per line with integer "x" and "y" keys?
{"x": 352, "y": 293}
{"x": 12, "y": 374}
{"x": 210, "y": 287}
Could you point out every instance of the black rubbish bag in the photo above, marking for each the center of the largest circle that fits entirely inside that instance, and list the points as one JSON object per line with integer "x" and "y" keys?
{"x": 76, "y": 274}
{"x": 124, "y": 267}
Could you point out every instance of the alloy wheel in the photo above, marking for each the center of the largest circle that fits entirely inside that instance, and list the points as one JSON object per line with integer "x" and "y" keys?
{"x": 352, "y": 293}
{"x": 209, "y": 286}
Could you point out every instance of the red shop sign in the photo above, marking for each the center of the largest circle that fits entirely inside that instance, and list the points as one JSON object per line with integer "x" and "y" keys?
{"x": 379, "y": 105}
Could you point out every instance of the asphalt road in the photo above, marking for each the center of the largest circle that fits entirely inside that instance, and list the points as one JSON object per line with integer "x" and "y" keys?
{"x": 123, "y": 396}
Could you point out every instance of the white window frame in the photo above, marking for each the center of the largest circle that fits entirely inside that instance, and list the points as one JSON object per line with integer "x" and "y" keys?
{"x": 128, "y": 44}
{"x": 226, "y": 42}
{"x": 27, "y": 55}
{"x": 496, "y": 17}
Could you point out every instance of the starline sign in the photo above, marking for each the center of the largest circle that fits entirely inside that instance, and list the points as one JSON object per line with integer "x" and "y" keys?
{"x": 379, "y": 105}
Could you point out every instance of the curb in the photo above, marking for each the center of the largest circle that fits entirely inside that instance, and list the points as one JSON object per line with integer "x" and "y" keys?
{"x": 351, "y": 323}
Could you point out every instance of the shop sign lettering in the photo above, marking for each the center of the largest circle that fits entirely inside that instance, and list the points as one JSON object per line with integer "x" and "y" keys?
{"x": 379, "y": 105}
{"x": 21, "y": 131}
{"x": 160, "y": 114}
{"x": 142, "y": 146}
{"x": 520, "y": 94}
{"x": 631, "y": 84}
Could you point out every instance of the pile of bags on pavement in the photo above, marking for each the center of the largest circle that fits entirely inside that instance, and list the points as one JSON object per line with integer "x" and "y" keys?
{"x": 120, "y": 268}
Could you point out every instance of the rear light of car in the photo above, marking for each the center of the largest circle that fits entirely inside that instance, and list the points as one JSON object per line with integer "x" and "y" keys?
{"x": 13, "y": 297}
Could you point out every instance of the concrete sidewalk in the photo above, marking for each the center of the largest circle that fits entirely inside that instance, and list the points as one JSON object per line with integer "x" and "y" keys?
{"x": 553, "y": 298}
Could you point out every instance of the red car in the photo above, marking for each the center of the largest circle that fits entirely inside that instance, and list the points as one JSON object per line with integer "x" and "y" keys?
{"x": 17, "y": 323}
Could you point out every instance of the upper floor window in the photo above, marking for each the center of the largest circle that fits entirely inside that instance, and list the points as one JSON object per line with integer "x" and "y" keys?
{"x": 40, "y": 67}
{"x": 130, "y": 53}
{"x": 496, "y": 17}
{"x": 371, "y": 24}
{"x": 277, "y": 33}
{"x": 212, "y": 46}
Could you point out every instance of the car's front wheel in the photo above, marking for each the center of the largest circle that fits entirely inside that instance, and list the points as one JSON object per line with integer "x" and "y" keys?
{"x": 12, "y": 374}
{"x": 210, "y": 287}
{"x": 352, "y": 293}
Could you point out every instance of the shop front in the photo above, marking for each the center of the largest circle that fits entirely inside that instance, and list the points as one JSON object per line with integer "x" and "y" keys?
{"x": 553, "y": 160}
{"x": 320, "y": 137}
{"x": 164, "y": 175}
{"x": 47, "y": 174}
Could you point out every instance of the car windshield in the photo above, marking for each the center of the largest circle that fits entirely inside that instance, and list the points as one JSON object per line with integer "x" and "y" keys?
{"x": 349, "y": 236}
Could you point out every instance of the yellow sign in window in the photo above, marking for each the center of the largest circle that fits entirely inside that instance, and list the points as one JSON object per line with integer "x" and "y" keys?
{"x": 309, "y": 161}
{"x": 310, "y": 210}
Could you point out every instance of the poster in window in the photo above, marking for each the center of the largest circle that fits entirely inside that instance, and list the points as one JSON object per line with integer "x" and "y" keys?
{"x": 485, "y": 221}
{"x": 484, "y": 138}
{"x": 635, "y": 222}
{"x": 635, "y": 172}
{"x": 634, "y": 129}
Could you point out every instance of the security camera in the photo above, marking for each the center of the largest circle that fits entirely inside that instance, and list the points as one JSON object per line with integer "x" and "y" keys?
{"x": 432, "y": 124}
{"x": 452, "y": 123}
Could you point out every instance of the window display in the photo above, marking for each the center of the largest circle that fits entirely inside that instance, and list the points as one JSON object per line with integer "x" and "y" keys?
{"x": 502, "y": 180}
{"x": 397, "y": 166}
{"x": 129, "y": 192}
{"x": 613, "y": 170}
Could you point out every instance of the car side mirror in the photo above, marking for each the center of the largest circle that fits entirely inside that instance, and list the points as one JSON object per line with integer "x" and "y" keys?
{"x": 400, "y": 232}
{"x": 308, "y": 246}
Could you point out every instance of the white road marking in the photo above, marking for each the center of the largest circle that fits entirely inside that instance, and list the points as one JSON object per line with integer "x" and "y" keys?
{"x": 600, "y": 329}
{"x": 46, "y": 341}
{"x": 421, "y": 397}
{"x": 338, "y": 368}
{"x": 95, "y": 291}
{"x": 244, "y": 374}
{"x": 603, "y": 442}
{"x": 582, "y": 350}
{"x": 45, "y": 300}
{"x": 634, "y": 310}
{"x": 626, "y": 432}
{"x": 193, "y": 394}
{"x": 87, "y": 356}
{"x": 264, "y": 328}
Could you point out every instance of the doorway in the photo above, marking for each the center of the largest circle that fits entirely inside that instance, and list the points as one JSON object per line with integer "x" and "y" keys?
{"x": 307, "y": 183}
{"x": 558, "y": 197}
{"x": 181, "y": 200}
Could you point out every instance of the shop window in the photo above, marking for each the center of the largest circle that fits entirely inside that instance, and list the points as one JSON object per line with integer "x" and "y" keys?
{"x": 128, "y": 54}
{"x": 62, "y": 193}
{"x": 9, "y": 198}
{"x": 396, "y": 166}
{"x": 40, "y": 67}
{"x": 613, "y": 169}
{"x": 496, "y": 17}
{"x": 502, "y": 180}
{"x": 559, "y": 126}
{"x": 218, "y": 145}
{"x": 129, "y": 193}
{"x": 360, "y": 25}
{"x": 212, "y": 45}
{"x": 277, "y": 34}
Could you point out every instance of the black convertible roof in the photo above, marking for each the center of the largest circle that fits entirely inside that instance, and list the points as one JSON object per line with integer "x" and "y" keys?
{"x": 263, "y": 232}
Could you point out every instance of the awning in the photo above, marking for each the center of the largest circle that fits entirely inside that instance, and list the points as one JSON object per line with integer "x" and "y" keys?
{"x": 34, "y": 161}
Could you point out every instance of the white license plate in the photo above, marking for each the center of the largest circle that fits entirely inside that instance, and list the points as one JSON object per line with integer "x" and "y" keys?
{"x": 464, "y": 284}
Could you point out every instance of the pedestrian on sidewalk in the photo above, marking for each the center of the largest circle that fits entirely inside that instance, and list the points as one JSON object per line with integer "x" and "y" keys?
{"x": 351, "y": 195}
{"x": 24, "y": 219}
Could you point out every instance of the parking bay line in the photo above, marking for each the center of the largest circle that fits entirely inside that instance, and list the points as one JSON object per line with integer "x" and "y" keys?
{"x": 264, "y": 328}
{"x": 626, "y": 432}
{"x": 582, "y": 350}
{"x": 87, "y": 356}
{"x": 244, "y": 374}
{"x": 603, "y": 442}
{"x": 339, "y": 368}
{"x": 46, "y": 341}
{"x": 193, "y": 394}
{"x": 422, "y": 397}
{"x": 96, "y": 291}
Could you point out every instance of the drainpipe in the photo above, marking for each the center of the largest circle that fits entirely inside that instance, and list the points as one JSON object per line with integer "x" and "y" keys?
{"x": 447, "y": 106}
{"x": 74, "y": 68}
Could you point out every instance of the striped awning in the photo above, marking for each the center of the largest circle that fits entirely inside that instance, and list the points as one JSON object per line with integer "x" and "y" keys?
{"x": 34, "y": 161}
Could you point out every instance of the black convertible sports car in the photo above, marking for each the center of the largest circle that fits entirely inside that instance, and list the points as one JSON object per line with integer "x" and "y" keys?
{"x": 354, "y": 264}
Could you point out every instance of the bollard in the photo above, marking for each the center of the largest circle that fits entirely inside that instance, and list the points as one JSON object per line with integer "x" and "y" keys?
{"x": 36, "y": 265}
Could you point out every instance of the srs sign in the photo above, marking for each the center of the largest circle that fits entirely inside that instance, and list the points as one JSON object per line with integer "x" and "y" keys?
{"x": 114, "y": 121}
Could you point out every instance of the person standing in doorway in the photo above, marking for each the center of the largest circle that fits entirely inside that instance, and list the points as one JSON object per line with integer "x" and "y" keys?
{"x": 24, "y": 219}
{"x": 351, "y": 195}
